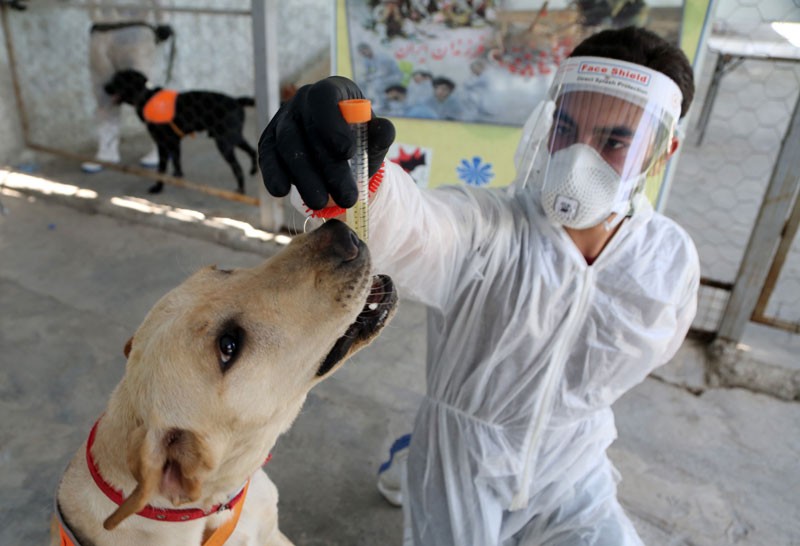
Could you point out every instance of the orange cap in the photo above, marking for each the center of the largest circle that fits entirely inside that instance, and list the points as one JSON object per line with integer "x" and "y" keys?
{"x": 356, "y": 110}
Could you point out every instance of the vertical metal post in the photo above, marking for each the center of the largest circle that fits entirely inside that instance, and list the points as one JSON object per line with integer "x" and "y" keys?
{"x": 700, "y": 54}
{"x": 12, "y": 66}
{"x": 766, "y": 235}
{"x": 267, "y": 94}
{"x": 787, "y": 238}
{"x": 720, "y": 68}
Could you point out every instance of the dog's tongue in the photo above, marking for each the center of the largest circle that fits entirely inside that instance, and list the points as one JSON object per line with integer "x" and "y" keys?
{"x": 381, "y": 288}
{"x": 376, "y": 294}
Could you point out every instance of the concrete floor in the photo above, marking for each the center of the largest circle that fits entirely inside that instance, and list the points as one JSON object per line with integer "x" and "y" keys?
{"x": 712, "y": 469}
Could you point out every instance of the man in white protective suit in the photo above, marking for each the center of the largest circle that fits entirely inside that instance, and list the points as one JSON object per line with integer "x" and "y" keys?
{"x": 123, "y": 35}
{"x": 547, "y": 299}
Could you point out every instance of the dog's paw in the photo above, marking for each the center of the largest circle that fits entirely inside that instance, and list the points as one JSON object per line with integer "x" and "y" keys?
{"x": 156, "y": 188}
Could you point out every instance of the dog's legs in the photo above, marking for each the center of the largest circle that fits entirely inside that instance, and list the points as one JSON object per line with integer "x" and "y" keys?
{"x": 175, "y": 154}
{"x": 163, "y": 157}
{"x": 168, "y": 149}
{"x": 242, "y": 144}
{"x": 225, "y": 148}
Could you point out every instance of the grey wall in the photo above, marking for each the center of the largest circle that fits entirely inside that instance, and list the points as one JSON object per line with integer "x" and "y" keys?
{"x": 214, "y": 52}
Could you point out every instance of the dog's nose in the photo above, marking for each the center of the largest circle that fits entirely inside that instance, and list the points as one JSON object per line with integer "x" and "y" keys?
{"x": 340, "y": 239}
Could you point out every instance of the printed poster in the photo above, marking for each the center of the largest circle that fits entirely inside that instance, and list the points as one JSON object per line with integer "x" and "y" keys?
{"x": 458, "y": 78}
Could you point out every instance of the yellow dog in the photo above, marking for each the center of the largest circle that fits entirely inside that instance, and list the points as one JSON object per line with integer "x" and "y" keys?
{"x": 218, "y": 369}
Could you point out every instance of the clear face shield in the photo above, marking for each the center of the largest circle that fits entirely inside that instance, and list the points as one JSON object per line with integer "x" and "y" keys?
{"x": 606, "y": 123}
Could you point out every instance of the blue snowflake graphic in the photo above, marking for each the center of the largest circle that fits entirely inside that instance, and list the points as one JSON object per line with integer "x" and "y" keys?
{"x": 475, "y": 172}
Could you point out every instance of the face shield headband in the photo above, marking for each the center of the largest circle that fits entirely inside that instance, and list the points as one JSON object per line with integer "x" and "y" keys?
{"x": 604, "y": 126}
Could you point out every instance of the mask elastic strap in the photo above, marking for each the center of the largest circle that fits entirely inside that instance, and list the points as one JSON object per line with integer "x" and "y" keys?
{"x": 609, "y": 225}
{"x": 625, "y": 207}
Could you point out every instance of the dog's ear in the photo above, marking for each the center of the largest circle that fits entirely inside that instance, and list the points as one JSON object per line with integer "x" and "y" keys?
{"x": 145, "y": 461}
{"x": 128, "y": 346}
{"x": 173, "y": 463}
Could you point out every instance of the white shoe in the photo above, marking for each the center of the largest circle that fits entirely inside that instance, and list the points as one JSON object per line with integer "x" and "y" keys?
{"x": 150, "y": 159}
{"x": 91, "y": 167}
{"x": 107, "y": 146}
{"x": 392, "y": 473}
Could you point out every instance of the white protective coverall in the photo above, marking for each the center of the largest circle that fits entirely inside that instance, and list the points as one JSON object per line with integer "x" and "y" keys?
{"x": 528, "y": 347}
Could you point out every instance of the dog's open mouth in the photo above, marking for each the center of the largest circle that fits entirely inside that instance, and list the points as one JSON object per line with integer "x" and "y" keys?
{"x": 378, "y": 309}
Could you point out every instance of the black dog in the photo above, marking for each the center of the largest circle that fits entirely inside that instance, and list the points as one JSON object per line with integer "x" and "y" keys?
{"x": 222, "y": 116}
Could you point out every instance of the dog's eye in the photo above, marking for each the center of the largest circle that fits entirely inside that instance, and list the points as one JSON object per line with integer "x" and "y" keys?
{"x": 229, "y": 345}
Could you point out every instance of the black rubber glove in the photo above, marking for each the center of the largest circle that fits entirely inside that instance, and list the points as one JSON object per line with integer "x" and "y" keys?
{"x": 162, "y": 32}
{"x": 308, "y": 143}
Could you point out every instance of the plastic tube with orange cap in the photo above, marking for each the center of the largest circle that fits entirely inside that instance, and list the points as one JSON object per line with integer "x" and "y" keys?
{"x": 357, "y": 112}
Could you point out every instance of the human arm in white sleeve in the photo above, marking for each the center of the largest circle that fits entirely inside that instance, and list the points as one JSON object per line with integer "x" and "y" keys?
{"x": 421, "y": 237}
{"x": 687, "y": 309}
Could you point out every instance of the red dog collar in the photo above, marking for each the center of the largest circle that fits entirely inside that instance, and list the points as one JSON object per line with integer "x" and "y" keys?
{"x": 151, "y": 512}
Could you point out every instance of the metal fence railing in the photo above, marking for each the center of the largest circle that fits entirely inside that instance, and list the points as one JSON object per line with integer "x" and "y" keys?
{"x": 745, "y": 98}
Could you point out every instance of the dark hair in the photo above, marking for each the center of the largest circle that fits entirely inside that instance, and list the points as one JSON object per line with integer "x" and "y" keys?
{"x": 444, "y": 81}
{"x": 422, "y": 73}
{"x": 644, "y": 47}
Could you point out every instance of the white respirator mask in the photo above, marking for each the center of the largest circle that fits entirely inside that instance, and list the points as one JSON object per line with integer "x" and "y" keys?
{"x": 583, "y": 189}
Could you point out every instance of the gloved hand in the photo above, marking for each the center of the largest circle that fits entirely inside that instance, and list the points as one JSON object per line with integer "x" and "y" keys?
{"x": 307, "y": 144}
{"x": 163, "y": 32}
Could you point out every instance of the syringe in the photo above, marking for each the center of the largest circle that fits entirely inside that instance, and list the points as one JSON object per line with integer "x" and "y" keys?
{"x": 357, "y": 112}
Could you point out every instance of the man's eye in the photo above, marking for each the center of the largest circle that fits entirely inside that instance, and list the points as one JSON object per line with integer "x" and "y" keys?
{"x": 563, "y": 130}
{"x": 616, "y": 144}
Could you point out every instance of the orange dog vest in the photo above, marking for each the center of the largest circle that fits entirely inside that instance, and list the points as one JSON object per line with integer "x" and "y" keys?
{"x": 160, "y": 109}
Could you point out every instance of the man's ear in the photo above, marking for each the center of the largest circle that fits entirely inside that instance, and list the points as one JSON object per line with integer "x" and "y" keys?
{"x": 661, "y": 162}
{"x": 673, "y": 146}
{"x": 173, "y": 463}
